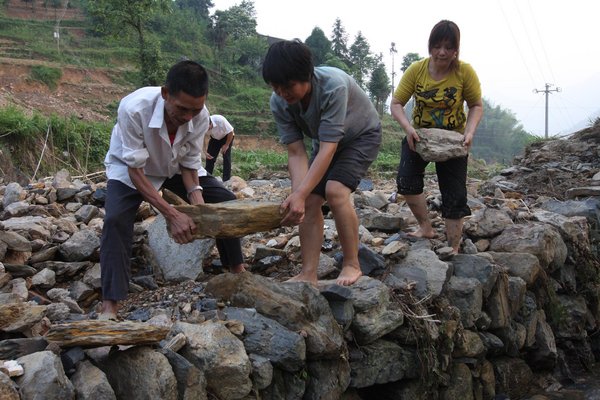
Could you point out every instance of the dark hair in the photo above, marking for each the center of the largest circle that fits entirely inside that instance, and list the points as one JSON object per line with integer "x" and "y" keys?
{"x": 189, "y": 77}
{"x": 442, "y": 31}
{"x": 288, "y": 60}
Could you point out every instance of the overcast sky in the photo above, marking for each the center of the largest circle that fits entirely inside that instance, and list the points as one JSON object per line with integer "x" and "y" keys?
{"x": 515, "y": 46}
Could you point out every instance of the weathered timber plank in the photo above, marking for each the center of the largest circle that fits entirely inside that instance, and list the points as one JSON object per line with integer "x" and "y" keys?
{"x": 105, "y": 333}
{"x": 229, "y": 219}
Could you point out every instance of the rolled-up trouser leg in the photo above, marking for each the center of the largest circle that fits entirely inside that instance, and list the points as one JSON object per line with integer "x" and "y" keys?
{"x": 122, "y": 203}
{"x": 452, "y": 179}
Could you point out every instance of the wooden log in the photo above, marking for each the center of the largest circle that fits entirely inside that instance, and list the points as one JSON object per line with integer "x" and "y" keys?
{"x": 172, "y": 198}
{"x": 229, "y": 219}
{"x": 94, "y": 333}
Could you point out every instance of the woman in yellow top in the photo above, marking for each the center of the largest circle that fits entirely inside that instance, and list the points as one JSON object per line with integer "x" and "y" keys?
{"x": 441, "y": 85}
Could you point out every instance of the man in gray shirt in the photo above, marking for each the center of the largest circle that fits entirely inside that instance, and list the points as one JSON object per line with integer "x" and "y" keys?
{"x": 327, "y": 105}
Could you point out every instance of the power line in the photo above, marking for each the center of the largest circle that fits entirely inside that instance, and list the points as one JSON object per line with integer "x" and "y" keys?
{"x": 541, "y": 42}
{"x": 516, "y": 41}
{"x": 533, "y": 52}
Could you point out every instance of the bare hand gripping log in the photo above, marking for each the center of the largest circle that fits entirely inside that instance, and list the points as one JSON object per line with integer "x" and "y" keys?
{"x": 229, "y": 219}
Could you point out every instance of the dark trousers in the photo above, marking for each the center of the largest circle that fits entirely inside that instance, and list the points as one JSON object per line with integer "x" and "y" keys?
{"x": 214, "y": 147}
{"x": 452, "y": 180}
{"x": 122, "y": 203}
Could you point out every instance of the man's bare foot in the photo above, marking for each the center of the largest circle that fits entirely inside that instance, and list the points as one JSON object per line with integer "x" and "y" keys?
{"x": 425, "y": 234}
{"x": 237, "y": 269}
{"x": 109, "y": 310}
{"x": 304, "y": 278}
{"x": 349, "y": 275}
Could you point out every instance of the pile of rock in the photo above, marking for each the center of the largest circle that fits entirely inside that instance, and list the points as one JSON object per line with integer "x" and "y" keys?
{"x": 521, "y": 301}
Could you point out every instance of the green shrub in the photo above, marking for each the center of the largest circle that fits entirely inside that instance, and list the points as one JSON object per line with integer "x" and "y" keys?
{"x": 47, "y": 75}
{"x": 251, "y": 99}
{"x": 16, "y": 126}
{"x": 84, "y": 143}
{"x": 247, "y": 164}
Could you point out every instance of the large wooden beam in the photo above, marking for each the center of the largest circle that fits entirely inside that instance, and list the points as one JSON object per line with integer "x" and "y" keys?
{"x": 229, "y": 219}
{"x": 94, "y": 333}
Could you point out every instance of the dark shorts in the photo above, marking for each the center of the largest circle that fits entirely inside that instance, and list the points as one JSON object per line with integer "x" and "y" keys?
{"x": 351, "y": 162}
{"x": 452, "y": 179}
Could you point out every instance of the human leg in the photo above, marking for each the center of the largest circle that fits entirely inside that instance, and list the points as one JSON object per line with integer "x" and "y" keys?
{"x": 452, "y": 177}
{"x": 213, "y": 149}
{"x": 418, "y": 206}
{"x": 454, "y": 233}
{"x": 409, "y": 180}
{"x": 346, "y": 170}
{"x": 346, "y": 222}
{"x": 227, "y": 163}
{"x": 311, "y": 239}
{"x": 121, "y": 206}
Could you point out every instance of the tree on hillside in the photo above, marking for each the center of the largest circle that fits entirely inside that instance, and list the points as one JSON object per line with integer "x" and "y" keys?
{"x": 319, "y": 45}
{"x": 408, "y": 59}
{"x": 339, "y": 41}
{"x": 361, "y": 59}
{"x": 251, "y": 51}
{"x": 500, "y": 136}
{"x": 182, "y": 33}
{"x": 116, "y": 17}
{"x": 198, "y": 8}
{"x": 235, "y": 23}
{"x": 334, "y": 61}
{"x": 379, "y": 86}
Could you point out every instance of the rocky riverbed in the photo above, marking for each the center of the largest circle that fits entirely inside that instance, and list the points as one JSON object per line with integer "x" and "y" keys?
{"x": 515, "y": 315}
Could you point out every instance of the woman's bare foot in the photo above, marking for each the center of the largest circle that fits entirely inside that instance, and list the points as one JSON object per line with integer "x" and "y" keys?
{"x": 304, "y": 278}
{"x": 237, "y": 269}
{"x": 349, "y": 275}
{"x": 423, "y": 233}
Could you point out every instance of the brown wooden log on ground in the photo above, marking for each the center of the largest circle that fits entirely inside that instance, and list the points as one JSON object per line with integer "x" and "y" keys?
{"x": 229, "y": 219}
{"x": 95, "y": 333}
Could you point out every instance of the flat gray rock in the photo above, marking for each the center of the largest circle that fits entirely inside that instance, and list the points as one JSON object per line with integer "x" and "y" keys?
{"x": 440, "y": 144}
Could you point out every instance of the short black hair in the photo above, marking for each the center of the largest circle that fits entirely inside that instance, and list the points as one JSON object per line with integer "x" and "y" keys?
{"x": 189, "y": 77}
{"x": 288, "y": 60}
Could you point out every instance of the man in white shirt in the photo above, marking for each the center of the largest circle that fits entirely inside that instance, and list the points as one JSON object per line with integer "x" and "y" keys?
{"x": 157, "y": 143}
{"x": 221, "y": 136}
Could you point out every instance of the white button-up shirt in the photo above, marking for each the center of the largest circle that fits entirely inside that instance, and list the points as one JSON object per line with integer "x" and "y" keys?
{"x": 140, "y": 139}
{"x": 221, "y": 127}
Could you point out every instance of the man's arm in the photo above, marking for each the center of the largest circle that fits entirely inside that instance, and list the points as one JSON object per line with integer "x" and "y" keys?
{"x": 180, "y": 225}
{"x": 304, "y": 179}
{"x": 190, "y": 181}
{"x": 205, "y": 147}
{"x": 228, "y": 141}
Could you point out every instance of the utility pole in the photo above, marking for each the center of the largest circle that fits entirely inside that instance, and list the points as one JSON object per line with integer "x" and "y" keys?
{"x": 393, "y": 51}
{"x": 547, "y": 92}
{"x": 57, "y": 26}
